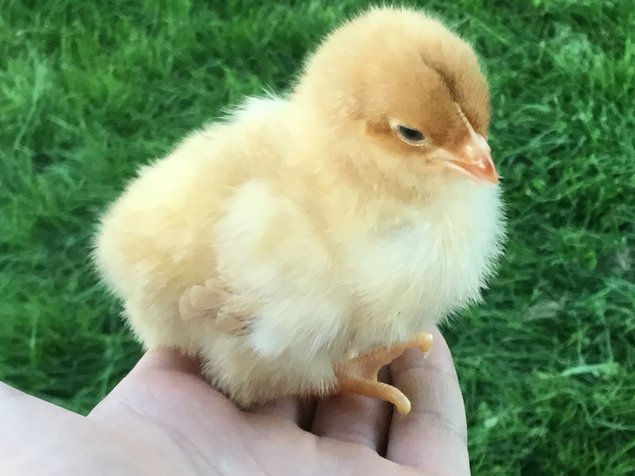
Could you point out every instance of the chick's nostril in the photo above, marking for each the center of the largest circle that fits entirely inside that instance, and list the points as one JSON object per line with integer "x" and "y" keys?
{"x": 483, "y": 143}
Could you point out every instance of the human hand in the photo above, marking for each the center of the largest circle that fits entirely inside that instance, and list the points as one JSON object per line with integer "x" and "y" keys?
{"x": 164, "y": 419}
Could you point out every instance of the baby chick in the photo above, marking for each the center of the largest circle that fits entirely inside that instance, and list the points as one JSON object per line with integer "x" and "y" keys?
{"x": 306, "y": 241}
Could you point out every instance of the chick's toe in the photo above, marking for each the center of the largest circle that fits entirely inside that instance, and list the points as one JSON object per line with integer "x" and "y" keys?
{"x": 358, "y": 375}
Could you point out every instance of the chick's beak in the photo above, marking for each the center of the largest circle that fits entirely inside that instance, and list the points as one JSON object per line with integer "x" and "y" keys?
{"x": 474, "y": 159}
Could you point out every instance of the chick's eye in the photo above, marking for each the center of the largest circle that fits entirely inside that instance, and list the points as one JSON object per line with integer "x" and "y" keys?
{"x": 410, "y": 135}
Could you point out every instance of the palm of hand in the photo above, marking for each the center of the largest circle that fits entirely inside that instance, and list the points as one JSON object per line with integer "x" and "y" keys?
{"x": 164, "y": 419}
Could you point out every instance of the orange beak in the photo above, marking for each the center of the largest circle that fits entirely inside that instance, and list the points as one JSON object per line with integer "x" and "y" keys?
{"x": 475, "y": 160}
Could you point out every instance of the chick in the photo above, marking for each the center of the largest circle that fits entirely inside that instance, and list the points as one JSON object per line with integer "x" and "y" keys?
{"x": 305, "y": 241}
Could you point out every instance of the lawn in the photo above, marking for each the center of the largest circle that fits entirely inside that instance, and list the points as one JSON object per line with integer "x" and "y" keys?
{"x": 91, "y": 90}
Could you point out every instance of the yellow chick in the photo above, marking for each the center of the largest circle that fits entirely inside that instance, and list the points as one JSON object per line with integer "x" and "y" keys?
{"x": 305, "y": 242}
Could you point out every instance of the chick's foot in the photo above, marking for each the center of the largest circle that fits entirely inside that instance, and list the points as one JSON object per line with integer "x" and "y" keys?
{"x": 228, "y": 312}
{"x": 359, "y": 374}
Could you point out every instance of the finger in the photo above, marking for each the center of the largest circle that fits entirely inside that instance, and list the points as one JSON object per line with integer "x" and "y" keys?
{"x": 433, "y": 437}
{"x": 299, "y": 411}
{"x": 150, "y": 374}
{"x": 165, "y": 358}
{"x": 58, "y": 441}
{"x": 355, "y": 419}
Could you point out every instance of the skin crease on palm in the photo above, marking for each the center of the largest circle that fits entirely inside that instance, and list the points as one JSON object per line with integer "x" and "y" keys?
{"x": 164, "y": 419}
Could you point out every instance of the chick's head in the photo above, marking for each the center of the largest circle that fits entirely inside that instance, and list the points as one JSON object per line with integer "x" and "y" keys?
{"x": 401, "y": 94}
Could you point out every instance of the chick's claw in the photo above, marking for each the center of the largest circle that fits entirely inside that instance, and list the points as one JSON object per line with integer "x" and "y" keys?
{"x": 229, "y": 312}
{"x": 235, "y": 315}
{"x": 201, "y": 300}
{"x": 358, "y": 375}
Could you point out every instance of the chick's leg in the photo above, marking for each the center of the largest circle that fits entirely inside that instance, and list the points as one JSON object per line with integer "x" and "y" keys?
{"x": 359, "y": 374}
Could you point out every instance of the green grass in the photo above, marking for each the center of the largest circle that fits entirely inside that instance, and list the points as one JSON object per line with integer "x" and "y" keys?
{"x": 90, "y": 90}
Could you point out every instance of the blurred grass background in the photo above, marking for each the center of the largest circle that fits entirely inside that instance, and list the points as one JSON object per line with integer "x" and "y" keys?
{"x": 90, "y": 90}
